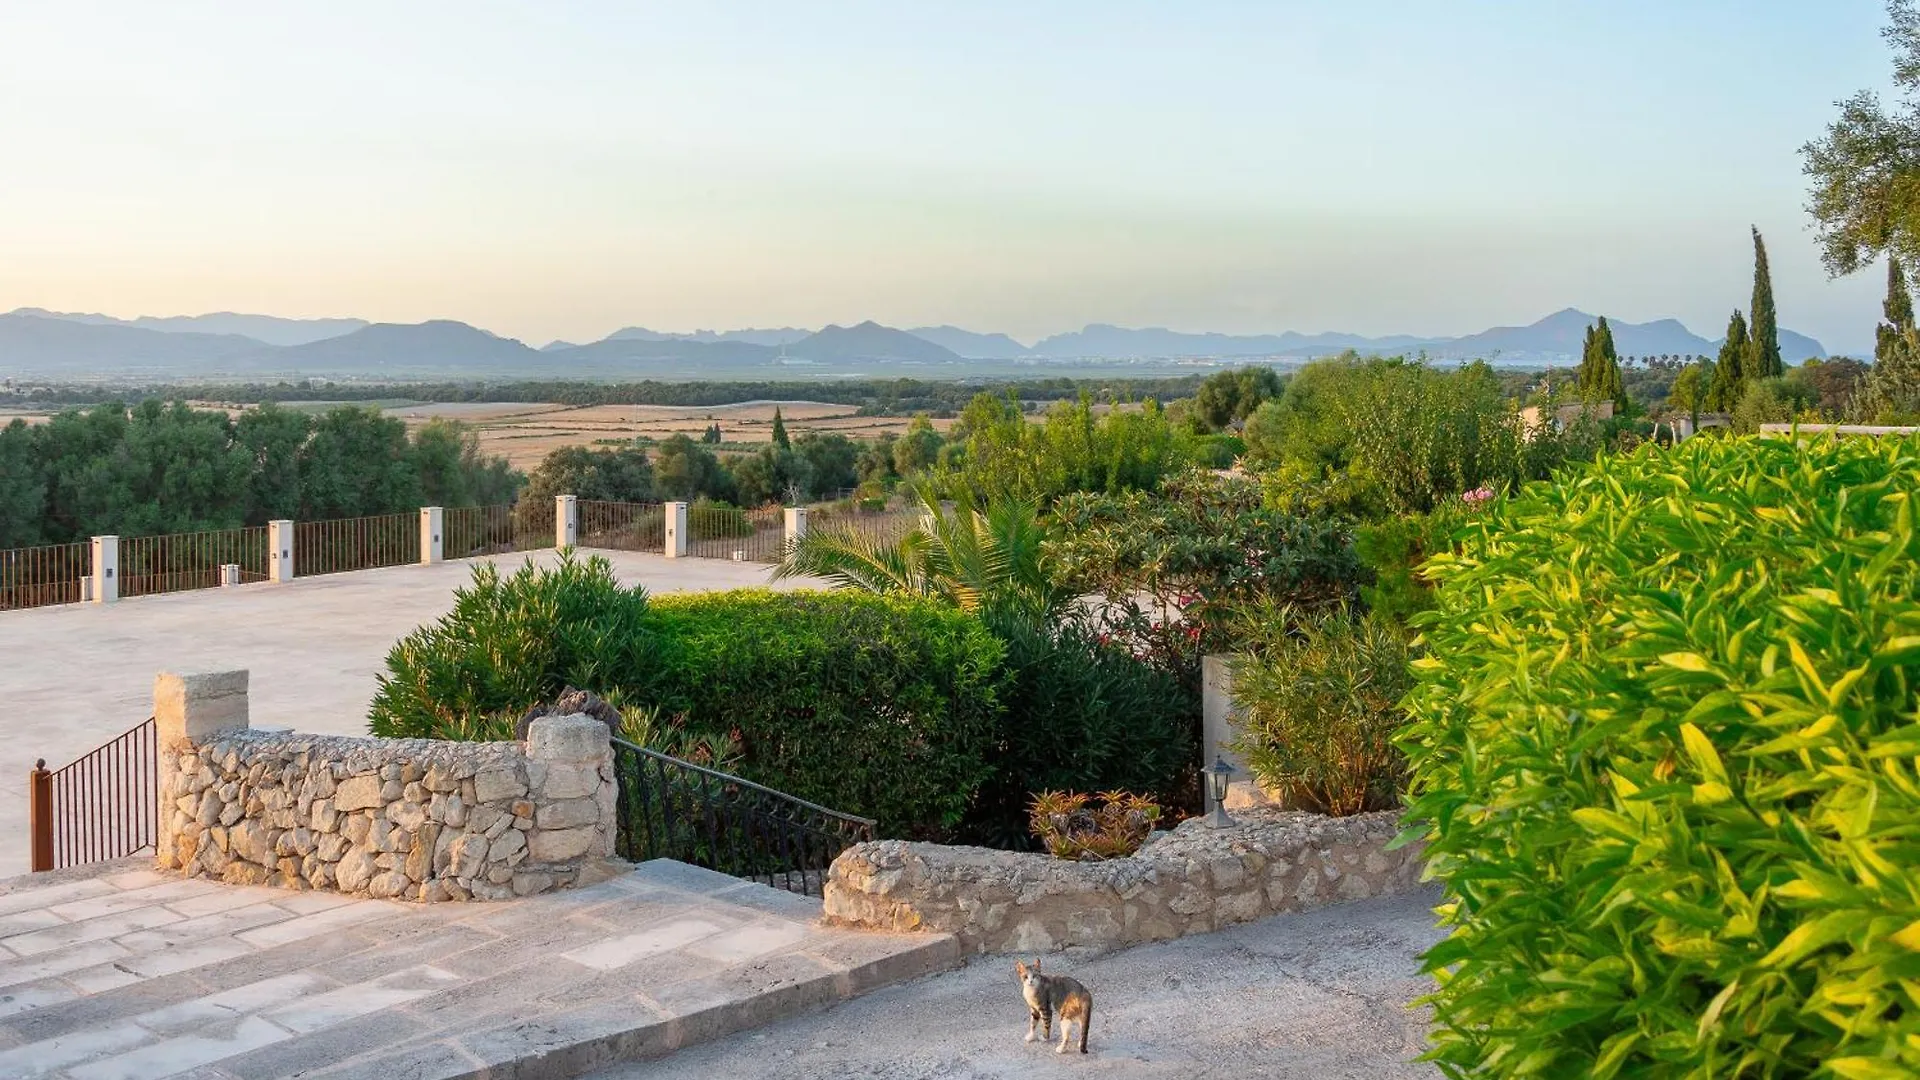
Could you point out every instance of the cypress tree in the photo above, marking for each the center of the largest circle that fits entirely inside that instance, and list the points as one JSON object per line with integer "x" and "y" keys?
{"x": 1729, "y": 370}
{"x": 1893, "y": 384}
{"x": 780, "y": 431}
{"x": 1600, "y": 366}
{"x": 1764, "y": 339}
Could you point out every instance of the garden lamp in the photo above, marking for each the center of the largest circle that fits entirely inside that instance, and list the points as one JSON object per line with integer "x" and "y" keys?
{"x": 1218, "y": 775}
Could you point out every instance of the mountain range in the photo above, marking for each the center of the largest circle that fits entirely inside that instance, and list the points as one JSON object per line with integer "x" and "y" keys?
{"x": 226, "y": 344}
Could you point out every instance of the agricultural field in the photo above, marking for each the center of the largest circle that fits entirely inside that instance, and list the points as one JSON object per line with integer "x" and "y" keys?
{"x": 525, "y": 433}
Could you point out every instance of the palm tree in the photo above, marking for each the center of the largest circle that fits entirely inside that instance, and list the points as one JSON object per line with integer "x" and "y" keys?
{"x": 987, "y": 561}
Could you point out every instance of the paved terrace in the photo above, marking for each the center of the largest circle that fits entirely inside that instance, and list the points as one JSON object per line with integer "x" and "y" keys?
{"x": 74, "y": 676}
{"x": 121, "y": 973}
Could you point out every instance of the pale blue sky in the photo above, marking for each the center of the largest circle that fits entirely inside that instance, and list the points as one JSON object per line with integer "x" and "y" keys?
{"x": 562, "y": 169}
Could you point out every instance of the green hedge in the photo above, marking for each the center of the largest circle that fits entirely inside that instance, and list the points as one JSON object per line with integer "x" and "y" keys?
{"x": 874, "y": 705}
{"x": 1664, "y": 755}
{"x": 709, "y": 520}
{"x": 887, "y": 708}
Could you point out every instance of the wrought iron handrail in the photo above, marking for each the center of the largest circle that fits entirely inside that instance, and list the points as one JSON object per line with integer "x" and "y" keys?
{"x": 102, "y": 805}
{"x": 674, "y": 809}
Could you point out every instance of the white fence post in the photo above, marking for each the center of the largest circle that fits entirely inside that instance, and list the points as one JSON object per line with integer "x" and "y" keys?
{"x": 106, "y": 569}
{"x": 796, "y": 524}
{"x": 676, "y": 530}
{"x": 280, "y": 551}
{"x": 566, "y": 521}
{"x": 430, "y": 545}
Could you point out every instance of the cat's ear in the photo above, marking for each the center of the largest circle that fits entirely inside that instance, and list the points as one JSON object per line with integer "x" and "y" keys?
{"x": 1020, "y": 969}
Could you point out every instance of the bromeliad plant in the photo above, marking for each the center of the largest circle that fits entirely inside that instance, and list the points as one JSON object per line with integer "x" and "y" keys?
{"x": 1073, "y": 827}
{"x": 1665, "y": 750}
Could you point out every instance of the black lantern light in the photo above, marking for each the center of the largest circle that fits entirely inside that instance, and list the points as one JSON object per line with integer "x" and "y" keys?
{"x": 1219, "y": 775}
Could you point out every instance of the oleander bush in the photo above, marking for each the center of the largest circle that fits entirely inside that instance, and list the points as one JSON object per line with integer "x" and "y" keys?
{"x": 1664, "y": 754}
{"x": 1320, "y": 704}
{"x": 512, "y": 641}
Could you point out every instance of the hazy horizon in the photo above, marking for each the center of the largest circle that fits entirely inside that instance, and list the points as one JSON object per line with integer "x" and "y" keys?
{"x": 561, "y": 173}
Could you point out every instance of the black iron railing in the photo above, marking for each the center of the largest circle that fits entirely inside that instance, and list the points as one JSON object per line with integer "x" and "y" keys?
{"x": 673, "y": 809}
{"x": 102, "y": 805}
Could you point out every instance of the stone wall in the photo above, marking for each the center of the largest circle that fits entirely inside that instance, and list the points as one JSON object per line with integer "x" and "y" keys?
{"x": 1190, "y": 880}
{"x": 410, "y": 819}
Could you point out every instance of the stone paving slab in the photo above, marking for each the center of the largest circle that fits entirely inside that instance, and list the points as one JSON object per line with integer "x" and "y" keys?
{"x": 129, "y": 974}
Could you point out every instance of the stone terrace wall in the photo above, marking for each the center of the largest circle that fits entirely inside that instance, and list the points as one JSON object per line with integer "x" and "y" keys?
{"x": 410, "y": 819}
{"x": 1190, "y": 880}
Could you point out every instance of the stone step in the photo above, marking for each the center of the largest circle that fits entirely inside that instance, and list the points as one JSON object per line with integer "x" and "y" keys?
{"x": 127, "y": 973}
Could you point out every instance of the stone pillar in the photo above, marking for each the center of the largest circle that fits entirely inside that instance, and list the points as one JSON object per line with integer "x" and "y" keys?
{"x": 796, "y": 524}
{"x": 1220, "y": 726}
{"x": 430, "y": 543}
{"x": 106, "y": 569}
{"x": 566, "y": 521}
{"x": 676, "y": 530}
{"x": 187, "y": 711}
{"x": 280, "y": 551}
{"x": 570, "y": 780}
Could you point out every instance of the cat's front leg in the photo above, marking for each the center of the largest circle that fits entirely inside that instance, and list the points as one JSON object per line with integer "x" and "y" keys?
{"x": 1033, "y": 1024}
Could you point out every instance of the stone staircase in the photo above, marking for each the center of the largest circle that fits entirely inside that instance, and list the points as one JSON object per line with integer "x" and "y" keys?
{"x": 122, "y": 972}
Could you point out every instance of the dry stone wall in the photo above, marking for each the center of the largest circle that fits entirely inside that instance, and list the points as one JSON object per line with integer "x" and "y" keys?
{"x": 409, "y": 819}
{"x": 1190, "y": 880}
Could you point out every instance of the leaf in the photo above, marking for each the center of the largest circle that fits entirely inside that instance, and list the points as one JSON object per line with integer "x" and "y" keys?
{"x": 1866, "y": 1068}
{"x": 1701, "y": 750}
{"x": 1686, "y": 661}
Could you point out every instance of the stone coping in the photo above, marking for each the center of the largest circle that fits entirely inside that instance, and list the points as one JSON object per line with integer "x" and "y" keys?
{"x": 1191, "y": 879}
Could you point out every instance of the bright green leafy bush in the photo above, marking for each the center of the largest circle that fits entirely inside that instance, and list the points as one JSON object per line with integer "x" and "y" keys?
{"x": 710, "y": 520}
{"x": 1664, "y": 750}
{"x": 1320, "y": 707}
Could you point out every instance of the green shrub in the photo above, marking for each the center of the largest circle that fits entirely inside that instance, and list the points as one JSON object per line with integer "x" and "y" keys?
{"x": 1664, "y": 749}
{"x": 508, "y": 644}
{"x": 710, "y": 520}
{"x": 874, "y": 705}
{"x": 1081, "y": 714}
{"x": 1320, "y": 707}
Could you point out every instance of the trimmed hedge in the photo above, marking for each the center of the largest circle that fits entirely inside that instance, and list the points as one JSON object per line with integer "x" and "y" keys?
{"x": 880, "y": 706}
{"x": 1664, "y": 751}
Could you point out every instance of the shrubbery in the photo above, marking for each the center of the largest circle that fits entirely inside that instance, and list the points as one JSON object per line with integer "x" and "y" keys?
{"x": 881, "y": 706}
{"x": 1664, "y": 749}
{"x": 1320, "y": 707}
{"x": 1082, "y": 714}
{"x": 510, "y": 643}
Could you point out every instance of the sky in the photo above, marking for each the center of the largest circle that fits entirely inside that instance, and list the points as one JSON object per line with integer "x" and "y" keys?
{"x": 562, "y": 169}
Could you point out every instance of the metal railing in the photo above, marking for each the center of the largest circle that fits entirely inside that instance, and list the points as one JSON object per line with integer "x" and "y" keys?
{"x": 363, "y": 543}
{"x": 875, "y": 526}
{"x": 674, "y": 809}
{"x": 622, "y": 526}
{"x": 468, "y": 531}
{"x": 727, "y": 532}
{"x": 176, "y": 562}
{"x": 39, "y": 576}
{"x": 103, "y": 805}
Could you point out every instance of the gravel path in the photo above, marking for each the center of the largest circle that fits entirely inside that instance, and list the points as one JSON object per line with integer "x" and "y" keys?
{"x": 1323, "y": 995}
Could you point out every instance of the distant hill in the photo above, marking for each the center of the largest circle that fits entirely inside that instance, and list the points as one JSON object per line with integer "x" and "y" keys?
{"x": 870, "y": 341}
{"x": 785, "y": 335}
{"x": 635, "y": 350}
{"x": 438, "y": 345}
{"x": 270, "y": 329}
{"x": 1100, "y": 339}
{"x": 971, "y": 345}
{"x": 1559, "y": 338}
{"x": 66, "y": 347}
